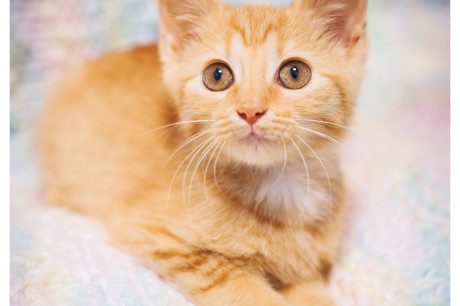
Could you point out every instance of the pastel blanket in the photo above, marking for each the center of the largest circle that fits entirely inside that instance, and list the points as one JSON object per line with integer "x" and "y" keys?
{"x": 397, "y": 246}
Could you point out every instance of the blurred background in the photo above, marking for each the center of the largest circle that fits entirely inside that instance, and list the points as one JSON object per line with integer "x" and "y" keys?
{"x": 397, "y": 246}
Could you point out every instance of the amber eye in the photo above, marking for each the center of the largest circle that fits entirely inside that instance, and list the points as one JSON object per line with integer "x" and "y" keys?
{"x": 294, "y": 74}
{"x": 217, "y": 77}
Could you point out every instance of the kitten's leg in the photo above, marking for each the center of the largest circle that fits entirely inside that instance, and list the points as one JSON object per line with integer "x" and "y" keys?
{"x": 308, "y": 292}
{"x": 206, "y": 277}
{"x": 217, "y": 281}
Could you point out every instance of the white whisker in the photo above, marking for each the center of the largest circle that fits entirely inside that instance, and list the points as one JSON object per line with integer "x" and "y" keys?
{"x": 174, "y": 124}
{"x": 306, "y": 167}
{"x": 322, "y": 135}
{"x": 206, "y": 170}
{"x": 175, "y": 174}
{"x": 325, "y": 171}
{"x": 284, "y": 164}
{"x": 327, "y": 122}
{"x": 190, "y": 162}
{"x": 205, "y": 152}
{"x": 215, "y": 169}
{"x": 188, "y": 141}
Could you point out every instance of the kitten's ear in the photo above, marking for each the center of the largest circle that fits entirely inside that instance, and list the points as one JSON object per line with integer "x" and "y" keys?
{"x": 344, "y": 20}
{"x": 181, "y": 22}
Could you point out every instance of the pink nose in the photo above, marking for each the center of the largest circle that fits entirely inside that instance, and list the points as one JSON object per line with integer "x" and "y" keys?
{"x": 251, "y": 114}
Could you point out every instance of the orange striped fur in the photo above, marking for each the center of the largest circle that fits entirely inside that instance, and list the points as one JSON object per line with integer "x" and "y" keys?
{"x": 227, "y": 221}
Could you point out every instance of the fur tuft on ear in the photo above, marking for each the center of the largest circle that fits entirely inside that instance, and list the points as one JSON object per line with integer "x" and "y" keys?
{"x": 181, "y": 22}
{"x": 344, "y": 20}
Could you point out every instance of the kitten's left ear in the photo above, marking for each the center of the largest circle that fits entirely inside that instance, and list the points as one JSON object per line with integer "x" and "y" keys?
{"x": 181, "y": 22}
{"x": 344, "y": 20}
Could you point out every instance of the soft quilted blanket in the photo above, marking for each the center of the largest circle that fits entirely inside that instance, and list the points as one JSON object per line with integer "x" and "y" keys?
{"x": 397, "y": 249}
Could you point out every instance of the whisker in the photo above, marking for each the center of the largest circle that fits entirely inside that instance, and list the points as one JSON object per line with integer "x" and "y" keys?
{"x": 284, "y": 164}
{"x": 174, "y": 124}
{"x": 322, "y": 135}
{"x": 215, "y": 168}
{"x": 188, "y": 141}
{"x": 327, "y": 122}
{"x": 175, "y": 174}
{"x": 203, "y": 155}
{"x": 325, "y": 171}
{"x": 190, "y": 162}
{"x": 206, "y": 170}
{"x": 306, "y": 167}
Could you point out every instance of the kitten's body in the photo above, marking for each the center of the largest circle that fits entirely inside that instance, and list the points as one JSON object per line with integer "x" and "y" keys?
{"x": 226, "y": 232}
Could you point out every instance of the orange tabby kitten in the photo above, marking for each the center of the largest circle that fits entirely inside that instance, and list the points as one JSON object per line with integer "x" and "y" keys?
{"x": 214, "y": 156}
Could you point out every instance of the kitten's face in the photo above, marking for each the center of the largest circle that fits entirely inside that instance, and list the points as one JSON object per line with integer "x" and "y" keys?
{"x": 269, "y": 83}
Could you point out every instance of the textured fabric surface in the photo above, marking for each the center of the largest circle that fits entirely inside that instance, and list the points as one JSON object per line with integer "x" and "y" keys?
{"x": 396, "y": 250}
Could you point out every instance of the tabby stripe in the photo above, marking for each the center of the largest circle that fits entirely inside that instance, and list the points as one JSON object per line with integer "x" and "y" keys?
{"x": 190, "y": 266}
{"x": 325, "y": 267}
{"x": 220, "y": 279}
{"x": 170, "y": 254}
{"x": 167, "y": 254}
{"x": 221, "y": 272}
{"x": 165, "y": 232}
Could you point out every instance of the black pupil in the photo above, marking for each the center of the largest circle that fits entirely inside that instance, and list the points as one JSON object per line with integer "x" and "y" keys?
{"x": 294, "y": 72}
{"x": 218, "y": 74}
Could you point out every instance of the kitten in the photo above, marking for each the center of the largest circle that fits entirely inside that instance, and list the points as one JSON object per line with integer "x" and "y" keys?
{"x": 214, "y": 156}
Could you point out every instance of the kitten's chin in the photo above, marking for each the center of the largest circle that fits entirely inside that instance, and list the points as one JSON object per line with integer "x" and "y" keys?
{"x": 257, "y": 153}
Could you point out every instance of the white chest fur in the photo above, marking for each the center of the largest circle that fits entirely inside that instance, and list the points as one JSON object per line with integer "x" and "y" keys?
{"x": 292, "y": 189}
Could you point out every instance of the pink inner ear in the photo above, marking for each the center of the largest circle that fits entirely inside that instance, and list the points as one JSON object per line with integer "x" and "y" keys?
{"x": 344, "y": 19}
{"x": 355, "y": 21}
{"x": 180, "y": 20}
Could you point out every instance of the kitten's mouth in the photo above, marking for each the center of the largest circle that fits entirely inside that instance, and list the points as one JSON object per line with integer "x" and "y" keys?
{"x": 255, "y": 139}
{"x": 255, "y": 148}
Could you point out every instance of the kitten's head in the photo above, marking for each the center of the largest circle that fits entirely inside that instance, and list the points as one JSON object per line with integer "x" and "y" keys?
{"x": 269, "y": 83}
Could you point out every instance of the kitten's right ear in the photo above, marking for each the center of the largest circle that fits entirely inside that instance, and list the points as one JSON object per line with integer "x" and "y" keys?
{"x": 181, "y": 22}
{"x": 343, "y": 20}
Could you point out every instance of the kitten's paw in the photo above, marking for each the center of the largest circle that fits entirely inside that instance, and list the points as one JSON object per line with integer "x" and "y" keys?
{"x": 308, "y": 293}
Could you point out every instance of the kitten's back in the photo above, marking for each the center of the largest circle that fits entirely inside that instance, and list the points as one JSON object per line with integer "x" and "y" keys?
{"x": 108, "y": 105}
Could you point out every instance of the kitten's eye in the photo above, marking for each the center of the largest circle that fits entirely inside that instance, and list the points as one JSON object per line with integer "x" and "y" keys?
{"x": 217, "y": 77}
{"x": 294, "y": 74}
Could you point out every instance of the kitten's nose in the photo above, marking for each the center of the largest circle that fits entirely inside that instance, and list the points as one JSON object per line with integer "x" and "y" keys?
{"x": 251, "y": 113}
